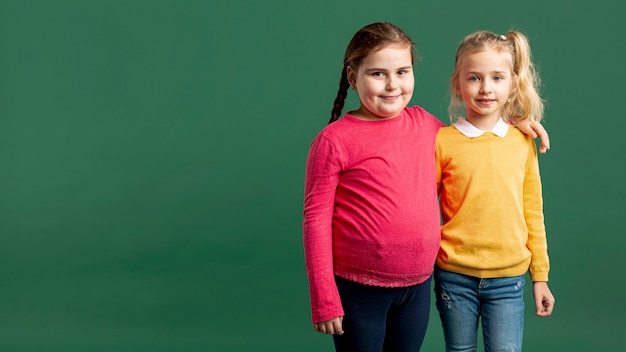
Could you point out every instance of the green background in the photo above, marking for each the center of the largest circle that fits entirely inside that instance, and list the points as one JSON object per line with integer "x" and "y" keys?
{"x": 152, "y": 157}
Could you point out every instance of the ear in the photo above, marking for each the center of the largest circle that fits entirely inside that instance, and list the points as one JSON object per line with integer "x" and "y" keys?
{"x": 513, "y": 90}
{"x": 351, "y": 74}
{"x": 457, "y": 88}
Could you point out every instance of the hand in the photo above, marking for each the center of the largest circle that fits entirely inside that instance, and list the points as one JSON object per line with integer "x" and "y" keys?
{"x": 544, "y": 300}
{"x": 332, "y": 327}
{"x": 535, "y": 129}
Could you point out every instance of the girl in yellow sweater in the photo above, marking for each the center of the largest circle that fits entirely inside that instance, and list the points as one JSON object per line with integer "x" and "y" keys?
{"x": 490, "y": 193}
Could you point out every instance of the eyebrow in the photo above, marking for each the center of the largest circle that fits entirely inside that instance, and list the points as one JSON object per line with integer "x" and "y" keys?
{"x": 490, "y": 73}
{"x": 382, "y": 69}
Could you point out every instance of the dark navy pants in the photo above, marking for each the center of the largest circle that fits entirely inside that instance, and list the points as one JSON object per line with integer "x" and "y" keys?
{"x": 383, "y": 319}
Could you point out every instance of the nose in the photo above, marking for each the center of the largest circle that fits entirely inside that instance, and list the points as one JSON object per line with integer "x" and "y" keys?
{"x": 485, "y": 87}
{"x": 392, "y": 83}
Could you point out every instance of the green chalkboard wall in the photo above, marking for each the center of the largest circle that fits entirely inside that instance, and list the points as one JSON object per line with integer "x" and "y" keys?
{"x": 152, "y": 155}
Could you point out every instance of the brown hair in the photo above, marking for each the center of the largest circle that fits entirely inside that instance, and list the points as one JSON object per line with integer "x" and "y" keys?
{"x": 370, "y": 38}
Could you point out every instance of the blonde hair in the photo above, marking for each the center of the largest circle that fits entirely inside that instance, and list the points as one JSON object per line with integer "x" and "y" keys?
{"x": 524, "y": 101}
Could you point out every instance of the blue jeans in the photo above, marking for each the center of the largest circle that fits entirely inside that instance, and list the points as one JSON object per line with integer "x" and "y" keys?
{"x": 499, "y": 303}
{"x": 382, "y": 319}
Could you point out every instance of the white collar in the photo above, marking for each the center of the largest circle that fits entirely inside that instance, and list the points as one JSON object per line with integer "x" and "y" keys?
{"x": 472, "y": 131}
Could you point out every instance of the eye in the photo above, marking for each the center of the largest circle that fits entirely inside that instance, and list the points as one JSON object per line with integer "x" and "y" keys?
{"x": 378, "y": 74}
{"x": 403, "y": 72}
{"x": 498, "y": 78}
{"x": 474, "y": 78}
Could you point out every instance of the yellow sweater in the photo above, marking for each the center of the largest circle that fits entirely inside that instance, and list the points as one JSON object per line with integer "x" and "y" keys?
{"x": 491, "y": 203}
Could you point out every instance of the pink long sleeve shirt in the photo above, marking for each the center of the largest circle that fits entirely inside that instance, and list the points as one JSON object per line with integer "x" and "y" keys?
{"x": 370, "y": 205}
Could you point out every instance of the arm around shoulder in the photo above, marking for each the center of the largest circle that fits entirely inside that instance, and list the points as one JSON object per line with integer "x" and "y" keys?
{"x": 535, "y": 129}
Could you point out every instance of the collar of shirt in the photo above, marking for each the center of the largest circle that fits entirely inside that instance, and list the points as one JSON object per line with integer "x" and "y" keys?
{"x": 472, "y": 131}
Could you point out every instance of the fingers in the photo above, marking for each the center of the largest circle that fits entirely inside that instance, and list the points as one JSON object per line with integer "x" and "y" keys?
{"x": 325, "y": 328}
{"x": 544, "y": 311}
{"x": 539, "y": 131}
{"x": 338, "y": 326}
{"x": 545, "y": 143}
{"x": 535, "y": 130}
{"x": 331, "y": 327}
{"x": 544, "y": 305}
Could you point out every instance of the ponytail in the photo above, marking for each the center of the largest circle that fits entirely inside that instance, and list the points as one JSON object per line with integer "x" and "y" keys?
{"x": 525, "y": 100}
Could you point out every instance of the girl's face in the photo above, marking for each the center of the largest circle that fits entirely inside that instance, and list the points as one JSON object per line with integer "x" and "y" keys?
{"x": 485, "y": 82}
{"x": 384, "y": 82}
